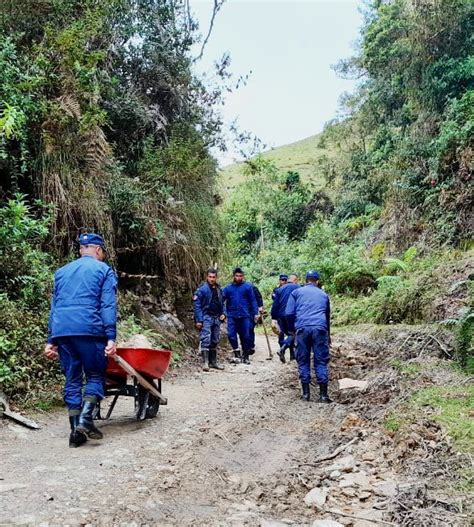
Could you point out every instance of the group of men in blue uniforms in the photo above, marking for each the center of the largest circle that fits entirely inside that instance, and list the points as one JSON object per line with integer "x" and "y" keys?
{"x": 82, "y": 327}
{"x": 300, "y": 315}
{"x": 240, "y": 304}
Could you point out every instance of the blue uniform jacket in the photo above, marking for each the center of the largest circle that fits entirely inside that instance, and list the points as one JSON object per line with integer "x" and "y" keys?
{"x": 308, "y": 306}
{"x": 84, "y": 300}
{"x": 281, "y": 296}
{"x": 240, "y": 300}
{"x": 202, "y": 300}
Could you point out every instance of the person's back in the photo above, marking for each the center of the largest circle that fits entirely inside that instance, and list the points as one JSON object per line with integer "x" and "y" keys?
{"x": 82, "y": 332}
{"x": 310, "y": 306}
{"x": 308, "y": 311}
{"x": 84, "y": 300}
{"x": 282, "y": 296}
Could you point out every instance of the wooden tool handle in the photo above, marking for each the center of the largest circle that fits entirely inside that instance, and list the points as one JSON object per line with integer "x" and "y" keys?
{"x": 132, "y": 371}
{"x": 270, "y": 353}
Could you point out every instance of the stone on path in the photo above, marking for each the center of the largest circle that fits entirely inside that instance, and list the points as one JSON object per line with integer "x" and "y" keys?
{"x": 316, "y": 497}
{"x": 387, "y": 489}
{"x": 360, "y": 479}
{"x": 345, "y": 464}
{"x": 346, "y": 384}
{"x": 327, "y": 523}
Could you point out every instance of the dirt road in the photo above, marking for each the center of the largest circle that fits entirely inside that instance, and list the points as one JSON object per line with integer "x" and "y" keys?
{"x": 232, "y": 448}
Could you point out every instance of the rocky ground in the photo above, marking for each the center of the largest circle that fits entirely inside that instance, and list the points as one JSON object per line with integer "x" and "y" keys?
{"x": 240, "y": 448}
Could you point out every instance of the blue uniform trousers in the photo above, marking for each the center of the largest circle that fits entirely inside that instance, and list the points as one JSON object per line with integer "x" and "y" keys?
{"x": 82, "y": 357}
{"x": 287, "y": 340}
{"x": 240, "y": 327}
{"x": 312, "y": 339}
{"x": 210, "y": 332}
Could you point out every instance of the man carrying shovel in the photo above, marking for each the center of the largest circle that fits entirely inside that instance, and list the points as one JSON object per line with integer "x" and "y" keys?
{"x": 82, "y": 332}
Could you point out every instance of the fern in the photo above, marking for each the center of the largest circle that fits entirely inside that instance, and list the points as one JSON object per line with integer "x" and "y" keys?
{"x": 393, "y": 265}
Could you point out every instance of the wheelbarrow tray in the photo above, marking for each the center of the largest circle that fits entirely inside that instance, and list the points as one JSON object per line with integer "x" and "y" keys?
{"x": 149, "y": 362}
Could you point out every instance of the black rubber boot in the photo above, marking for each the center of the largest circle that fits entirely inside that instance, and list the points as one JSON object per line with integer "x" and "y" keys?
{"x": 213, "y": 360}
{"x": 305, "y": 392}
{"x": 86, "y": 423}
{"x": 281, "y": 354}
{"x": 205, "y": 360}
{"x": 292, "y": 354}
{"x": 245, "y": 357}
{"x": 75, "y": 438}
{"x": 323, "y": 394}
{"x": 237, "y": 357}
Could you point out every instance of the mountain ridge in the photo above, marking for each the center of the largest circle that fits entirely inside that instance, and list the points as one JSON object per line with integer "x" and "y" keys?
{"x": 302, "y": 156}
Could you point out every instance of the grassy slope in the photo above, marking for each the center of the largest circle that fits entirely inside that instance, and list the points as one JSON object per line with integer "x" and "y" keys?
{"x": 302, "y": 157}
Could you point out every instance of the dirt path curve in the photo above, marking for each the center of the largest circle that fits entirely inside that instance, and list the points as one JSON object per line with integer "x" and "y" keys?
{"x": 229, "y": 449}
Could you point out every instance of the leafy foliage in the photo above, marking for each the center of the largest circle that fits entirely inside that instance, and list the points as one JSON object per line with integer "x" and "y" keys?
{"x": 101, "y": 116}
{"x": 25, "y": 278}
{"x": 410, "y": 122}
{"x": 104, "y": 127}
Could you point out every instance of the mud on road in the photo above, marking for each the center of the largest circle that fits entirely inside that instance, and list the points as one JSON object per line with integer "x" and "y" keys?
{"x": 232, "y": 448}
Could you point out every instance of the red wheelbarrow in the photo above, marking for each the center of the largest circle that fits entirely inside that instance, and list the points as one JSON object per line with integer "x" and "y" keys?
{"x": 146, "y": 367}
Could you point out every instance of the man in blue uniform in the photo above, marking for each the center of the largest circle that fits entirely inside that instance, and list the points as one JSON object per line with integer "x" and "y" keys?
{"x": 82, "y": 331}
{"x": 282, "y": 280}
{"x": 278, "y": 315}
{"x": 308, "y": 312}
{"x": 208, "y": 316}
{"x": 242, "y": 312}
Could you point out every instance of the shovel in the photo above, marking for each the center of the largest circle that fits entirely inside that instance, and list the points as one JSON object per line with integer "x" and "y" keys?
{"x": 14, "y": 416}
{"x": 270, "y": 352}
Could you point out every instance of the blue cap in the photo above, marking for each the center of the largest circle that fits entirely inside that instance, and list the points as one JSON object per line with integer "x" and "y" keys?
{"x": 283, "y": 276}
{"x": 312, "y": 274}
{"x": 91, "y": 239}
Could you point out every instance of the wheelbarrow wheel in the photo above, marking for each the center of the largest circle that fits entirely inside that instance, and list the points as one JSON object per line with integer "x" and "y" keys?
{"x": 146, "y": 404}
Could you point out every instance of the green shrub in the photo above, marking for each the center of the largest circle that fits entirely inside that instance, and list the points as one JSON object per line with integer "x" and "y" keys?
{"x": 25, "y": 270}
{"x": 25, "y": 278}
{"x": 24, "y": 370}
{"x": 400, "y": 299}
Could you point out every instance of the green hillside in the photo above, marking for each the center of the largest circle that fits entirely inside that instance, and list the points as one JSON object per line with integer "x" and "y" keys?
{"x": 302, "y": 156}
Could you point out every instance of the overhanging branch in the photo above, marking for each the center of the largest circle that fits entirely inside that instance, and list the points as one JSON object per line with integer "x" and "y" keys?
{"x": 217, "y": 5}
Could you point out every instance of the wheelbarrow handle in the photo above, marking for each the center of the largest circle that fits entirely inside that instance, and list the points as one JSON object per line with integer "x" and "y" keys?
{"x": 132, "y": 371}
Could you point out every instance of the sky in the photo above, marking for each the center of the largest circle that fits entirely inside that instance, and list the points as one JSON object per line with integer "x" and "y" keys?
{"x": 289, "y": 47}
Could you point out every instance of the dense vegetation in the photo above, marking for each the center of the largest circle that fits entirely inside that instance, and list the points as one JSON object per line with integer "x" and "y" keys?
{"x": 395, "y": 218}
{"x": 103, "y": 126}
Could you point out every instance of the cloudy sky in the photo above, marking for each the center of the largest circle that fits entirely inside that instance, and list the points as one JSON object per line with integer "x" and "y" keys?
{"x": 289, "y": 46}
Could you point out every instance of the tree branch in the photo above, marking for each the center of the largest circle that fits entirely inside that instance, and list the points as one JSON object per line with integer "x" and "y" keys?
{"x": 217, "y": 5}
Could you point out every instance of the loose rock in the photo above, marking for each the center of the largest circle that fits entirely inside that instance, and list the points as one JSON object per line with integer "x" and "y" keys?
{"x": 316, "y": 497}
{"x": 326, "y": 523}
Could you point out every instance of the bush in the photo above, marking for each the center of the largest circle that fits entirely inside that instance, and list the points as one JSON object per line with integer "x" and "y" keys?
{"x": 25, "y": 278}
{"x": 24, "y": 370}
{"x": 400, "y": 299}
{"x": 24, "y": 268}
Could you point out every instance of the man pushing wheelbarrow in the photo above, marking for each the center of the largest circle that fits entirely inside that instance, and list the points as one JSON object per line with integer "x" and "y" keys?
{"x": 82, "y": 332}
